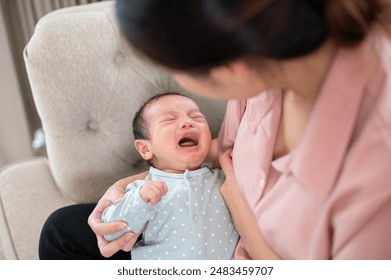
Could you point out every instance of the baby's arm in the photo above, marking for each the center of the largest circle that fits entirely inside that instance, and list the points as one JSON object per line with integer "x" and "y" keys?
{"x": 136, "y": 207}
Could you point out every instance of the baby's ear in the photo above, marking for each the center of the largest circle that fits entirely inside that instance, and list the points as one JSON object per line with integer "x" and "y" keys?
{"x": 144, "y": 148}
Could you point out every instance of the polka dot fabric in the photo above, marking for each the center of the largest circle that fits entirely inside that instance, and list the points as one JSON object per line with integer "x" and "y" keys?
{"x": 190, "y": 222}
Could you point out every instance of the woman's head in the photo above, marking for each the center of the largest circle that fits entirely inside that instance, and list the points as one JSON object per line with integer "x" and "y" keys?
{"x": 196, "y": 36}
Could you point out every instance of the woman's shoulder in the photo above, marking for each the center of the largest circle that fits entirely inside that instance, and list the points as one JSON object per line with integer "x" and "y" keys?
{"x": 263, "y": 101}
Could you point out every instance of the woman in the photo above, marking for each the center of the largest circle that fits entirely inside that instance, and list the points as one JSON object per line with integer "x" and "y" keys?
{"x": 306, "y": 139}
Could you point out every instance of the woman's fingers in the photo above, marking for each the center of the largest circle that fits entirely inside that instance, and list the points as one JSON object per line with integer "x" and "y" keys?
{"x": 96, "y": 223}
{"x": 226, "y": 161}
{"x": 124, "y": 242}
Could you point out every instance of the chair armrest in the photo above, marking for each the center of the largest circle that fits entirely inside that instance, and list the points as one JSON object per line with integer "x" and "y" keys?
{"x": 28, "y": 195}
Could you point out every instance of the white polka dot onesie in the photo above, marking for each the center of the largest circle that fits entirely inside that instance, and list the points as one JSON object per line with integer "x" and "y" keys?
{"x": 190, "y": 222}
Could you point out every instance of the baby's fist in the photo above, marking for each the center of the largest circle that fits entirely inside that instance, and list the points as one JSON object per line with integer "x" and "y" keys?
{"x": 153, "y": 191}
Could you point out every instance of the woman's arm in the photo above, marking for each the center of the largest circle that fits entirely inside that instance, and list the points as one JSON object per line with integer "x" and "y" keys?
{"x": 112, "y": 196}
{"x": 242, "y": 215}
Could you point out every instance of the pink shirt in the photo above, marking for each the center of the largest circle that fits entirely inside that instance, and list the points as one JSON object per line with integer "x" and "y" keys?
{"x": 330, "y": 198}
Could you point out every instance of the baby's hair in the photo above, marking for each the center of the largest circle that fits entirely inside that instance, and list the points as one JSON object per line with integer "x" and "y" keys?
{"x": 140, "y": 129}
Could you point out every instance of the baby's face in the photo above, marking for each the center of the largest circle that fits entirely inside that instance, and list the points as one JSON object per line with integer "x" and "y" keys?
{"x": 179, "y": 133}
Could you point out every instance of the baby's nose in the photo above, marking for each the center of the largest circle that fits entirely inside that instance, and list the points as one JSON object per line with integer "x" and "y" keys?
{"x": 187, "y": 123}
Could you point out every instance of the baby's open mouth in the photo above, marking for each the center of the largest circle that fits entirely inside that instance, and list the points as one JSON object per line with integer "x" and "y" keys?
{"x": 188, "y": 142}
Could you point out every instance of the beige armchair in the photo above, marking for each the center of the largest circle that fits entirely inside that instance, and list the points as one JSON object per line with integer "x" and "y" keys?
{"x": 87, "y": 84}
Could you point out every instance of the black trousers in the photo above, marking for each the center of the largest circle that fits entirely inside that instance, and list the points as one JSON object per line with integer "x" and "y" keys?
{"x": 66, "y": 235}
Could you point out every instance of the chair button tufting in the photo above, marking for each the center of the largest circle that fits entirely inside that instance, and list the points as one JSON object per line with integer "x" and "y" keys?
{"x": 119, "y": 59}
{"x": 92, "y": 125}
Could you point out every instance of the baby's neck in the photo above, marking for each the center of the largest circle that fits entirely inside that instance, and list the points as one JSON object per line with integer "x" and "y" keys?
{"x": 177, "y": 171}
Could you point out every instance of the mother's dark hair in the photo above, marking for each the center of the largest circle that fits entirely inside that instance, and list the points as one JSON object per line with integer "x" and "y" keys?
{"x": 195, "y": 35}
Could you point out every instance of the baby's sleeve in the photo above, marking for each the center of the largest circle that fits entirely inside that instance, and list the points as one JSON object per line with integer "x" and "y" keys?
{"x": 132, "y": 209}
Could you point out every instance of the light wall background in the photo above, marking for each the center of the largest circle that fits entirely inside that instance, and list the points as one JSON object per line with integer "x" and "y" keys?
{"x": 19, "y": 120}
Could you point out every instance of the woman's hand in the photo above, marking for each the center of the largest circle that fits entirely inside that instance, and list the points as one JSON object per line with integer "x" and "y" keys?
{"x": 242, "y": 215}
{"x": 112, "y": 196}
{"x": 229, "y": 189}
{"x": 213, "y": 155}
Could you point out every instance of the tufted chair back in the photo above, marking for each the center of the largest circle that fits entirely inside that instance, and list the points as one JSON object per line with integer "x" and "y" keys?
{"x": 87, "y": 84}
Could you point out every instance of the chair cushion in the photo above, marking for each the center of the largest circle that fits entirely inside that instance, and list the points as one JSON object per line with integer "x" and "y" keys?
{"x": 28, "y": 195}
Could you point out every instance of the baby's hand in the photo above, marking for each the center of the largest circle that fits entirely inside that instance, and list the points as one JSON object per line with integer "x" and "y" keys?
{"x": 152, "y": 191}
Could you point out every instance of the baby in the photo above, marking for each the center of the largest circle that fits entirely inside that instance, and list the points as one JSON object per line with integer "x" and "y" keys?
{"x": 178, "y": 205}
